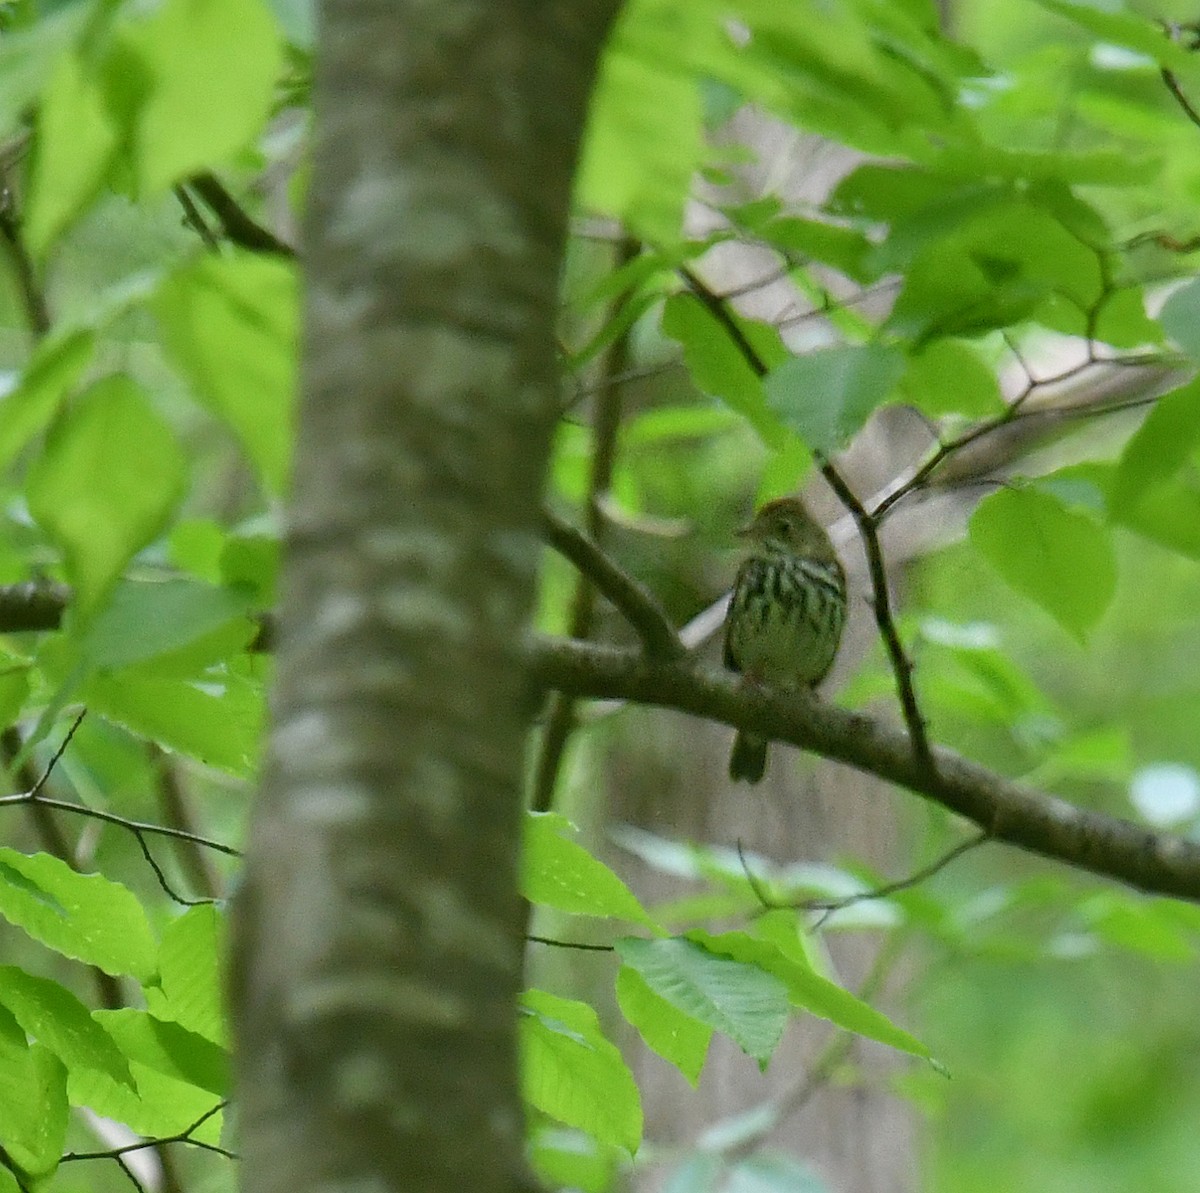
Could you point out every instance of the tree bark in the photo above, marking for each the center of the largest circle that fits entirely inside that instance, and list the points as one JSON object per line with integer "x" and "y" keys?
{"x": 377, "y": 937}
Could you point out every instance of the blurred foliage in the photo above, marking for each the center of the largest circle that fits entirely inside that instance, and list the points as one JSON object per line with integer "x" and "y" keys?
{"x": 1022, "y": 187}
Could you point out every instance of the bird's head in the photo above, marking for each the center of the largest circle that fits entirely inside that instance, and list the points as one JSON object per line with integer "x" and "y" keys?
{"x": 786, "y": 527}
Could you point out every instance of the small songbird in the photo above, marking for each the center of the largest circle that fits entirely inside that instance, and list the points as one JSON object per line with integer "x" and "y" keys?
{"x": 786, "y": 614}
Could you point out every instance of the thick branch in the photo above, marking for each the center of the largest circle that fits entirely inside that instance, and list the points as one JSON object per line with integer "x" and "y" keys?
{"x": 1005, "y": 810}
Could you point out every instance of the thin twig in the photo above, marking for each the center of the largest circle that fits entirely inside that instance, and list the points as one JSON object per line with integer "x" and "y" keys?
{"x": 901, "y": 664}
{"x": 184, "y": 1136}
{"x": 606, "y": 423}
{"x": 828, "y": 906}
{"x": 194, "y": 220}
{"x": 33, "y": 298}
{"x": 132, "y": 826}
{"x": 168, "y": 890}
{"x": 35, "y": 790}
{"x": 571, "y": 944}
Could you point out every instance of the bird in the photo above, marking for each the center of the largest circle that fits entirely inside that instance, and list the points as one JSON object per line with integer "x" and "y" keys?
{"x": 786, "y": 614}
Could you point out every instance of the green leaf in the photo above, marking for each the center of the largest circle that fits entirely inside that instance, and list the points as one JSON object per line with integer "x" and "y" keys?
{"x": 558, "y": 872}
{"x": 1158, "y": 449}
{"x": 950, "y": 377}
{"x": 217, "y": 719}
{"x": 189, "y": 962}
{"x": 675, "y": 1035}
{"x": 56, "y": 365}
{"x": 74, "y": 145}
{"x": 230, "y": 324}
{"x": 53, "y": 1015}
{"x": 168, "y": 1048}
{"x": 743, "y": 1001}
{"x": 826, "y": 396}
{"x": 28, "y": 58}
{"x": 160, "y": 1105}
{"x": 1180, "y": 318}
{"x": 1061, "y": 559}
{"x": 846, "y": 249}
{"x": 805, "y": 987}
{"x": 644, "y": 139}
{"x": 84, "y": 916}
{"x": 1131, "y": 30}
{"x": 251, "y": 562}
{"x": 14, "y": 689}
{"x": 144, "y": 620}
{"x": 572, "y": 1073}
{"x": 210, "y": 68}
{"x": 717, "y": 365}
{"x": 33, "y": 1101}
{"x": 98, "y": 509}
{"x": 570, "y": 1159}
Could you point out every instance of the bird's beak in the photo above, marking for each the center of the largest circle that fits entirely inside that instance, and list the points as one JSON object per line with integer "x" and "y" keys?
{"x": 743, "y": 532}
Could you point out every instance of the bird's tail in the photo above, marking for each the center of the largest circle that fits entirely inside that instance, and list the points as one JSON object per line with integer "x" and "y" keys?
{"x": 749, "y": 758}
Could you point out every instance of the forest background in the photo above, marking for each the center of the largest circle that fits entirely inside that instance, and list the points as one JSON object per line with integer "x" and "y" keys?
{"x": 931, "y": 267}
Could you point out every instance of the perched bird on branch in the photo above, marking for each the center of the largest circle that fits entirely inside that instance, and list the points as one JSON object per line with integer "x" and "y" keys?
{"x": 786, "y": 614}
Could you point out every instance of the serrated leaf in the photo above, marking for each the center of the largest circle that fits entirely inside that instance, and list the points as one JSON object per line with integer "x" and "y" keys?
{"x": 160, "y": 1105}
{"x": 99, "y": 513}
{"x": 743, "y": 1001}
{"x": 676, "y": 1036}
{"x": 1059, "y": 558}
{"x": 168, "y": 1048}
{"x": 558, "y": 872}
{"x": 572, "y": 1073}
{"x": 218, "y": 57}
{"x": 189, "y": 963}
{"x": 826, "y": 396}
{"x": 218, "y": 721}
{"x": 808, "y": 989}
{"x": 84, "y": 916}
{"x": 53, "y": 1015}
{"x": 33, "y": 1100}
{"x": 229, "y": 322}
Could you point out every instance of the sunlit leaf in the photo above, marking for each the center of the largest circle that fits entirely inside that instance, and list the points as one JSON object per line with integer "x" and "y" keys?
{"x": 572, "y": 1073}
{"x": 100, "y": 513}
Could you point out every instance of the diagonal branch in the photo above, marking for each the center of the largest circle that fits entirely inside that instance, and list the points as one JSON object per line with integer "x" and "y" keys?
{"x": 637, "y": 604}
{"x": 881, "y": 605}
{"x": 1007, "y": 811}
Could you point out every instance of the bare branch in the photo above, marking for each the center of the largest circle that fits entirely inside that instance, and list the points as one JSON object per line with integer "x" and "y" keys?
{"x": 1007, "y": 811}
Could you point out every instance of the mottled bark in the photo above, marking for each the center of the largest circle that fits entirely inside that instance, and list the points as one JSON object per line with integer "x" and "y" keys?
{"x": 378, "y": 942}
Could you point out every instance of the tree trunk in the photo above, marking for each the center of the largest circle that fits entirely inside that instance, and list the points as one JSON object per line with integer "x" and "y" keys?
{"x": 377, "y": 939}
